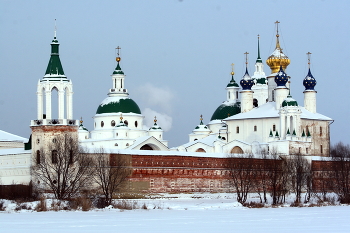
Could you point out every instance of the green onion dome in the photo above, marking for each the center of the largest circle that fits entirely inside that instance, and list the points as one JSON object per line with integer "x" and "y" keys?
{"x": 289, "y": 101}
{"x": 225, "y": 110}
{"x": 115, "y": 104}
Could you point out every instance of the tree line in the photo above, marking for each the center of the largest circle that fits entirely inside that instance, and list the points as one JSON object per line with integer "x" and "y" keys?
{"x": 278, "y": 176}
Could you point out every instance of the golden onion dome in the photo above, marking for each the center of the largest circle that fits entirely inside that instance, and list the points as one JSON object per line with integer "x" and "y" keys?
{"x": 277, "y": 58}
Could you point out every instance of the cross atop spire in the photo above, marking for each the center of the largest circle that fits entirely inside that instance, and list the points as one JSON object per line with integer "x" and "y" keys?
{"x": 308, "y": 58}
{"x": 55, "y": 29}
{"x": 246, "y": 59}
{"x": 232, "y": 67}
{"x": 277, "y": 36}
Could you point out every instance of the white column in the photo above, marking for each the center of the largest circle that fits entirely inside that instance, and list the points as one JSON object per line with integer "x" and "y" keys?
{"x": 280, "y": 94}
{"x": 70, "y": 105}
{"x": 310, "y": 100}
{"x": 60, "y": 104}
{"x": 40, "y": 104}
{"x": 282, "y": 125}
{"x": 48, "y": 104}
{"x": 295, "y": 124}
{"x": 246, "y": 100}
{"x": 271, "y": 87}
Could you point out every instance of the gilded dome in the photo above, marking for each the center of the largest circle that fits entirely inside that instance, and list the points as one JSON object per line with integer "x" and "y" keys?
{"x": 277, "y": 58}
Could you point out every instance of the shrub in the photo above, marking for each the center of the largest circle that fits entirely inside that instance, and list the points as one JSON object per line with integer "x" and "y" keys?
{"x": 41, "y": 206}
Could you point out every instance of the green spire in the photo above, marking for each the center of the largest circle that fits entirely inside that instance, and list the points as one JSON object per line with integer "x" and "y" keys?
{"x": 303, "y": 134}
{"x": 54, "y": 68}
{"x": 294, "y": 134}
{"x": 258, "y": 60}
{"x": 271, "y": 135}
{"x": 288, "y": 132}
{"x": 118, "y": 70}
{"x": 277, "y": 134}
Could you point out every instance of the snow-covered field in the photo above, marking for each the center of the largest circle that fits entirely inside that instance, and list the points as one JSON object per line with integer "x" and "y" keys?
{"x": 186, "y": 213}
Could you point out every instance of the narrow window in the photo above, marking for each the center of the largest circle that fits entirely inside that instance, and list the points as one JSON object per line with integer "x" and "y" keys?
{"x": 112, "y": 123}
{"x": 136, "y": 124}
{"x": 236, "y": 94}
{"x": 255, "y": 128}
{"x": 37, "y": 157}
{"x": 321, "y": 149}
{"x": 307, "y": 150}
{"x": 54, "y": 158}
{"x": 71, "y": 157}
{"x": 237, "y": 129}
{"x": 299, "y": 150}
{"x": 320, "y": 130}
{"x": 126, "y": 122}
{"x": 307, "y": 130}
{"x": 229, "y": 95}
{"x": 102, "y": 124}
{"x": 121, "y": 83}
{"x": 273, "y": 95}
{"x": 274, "y": 127}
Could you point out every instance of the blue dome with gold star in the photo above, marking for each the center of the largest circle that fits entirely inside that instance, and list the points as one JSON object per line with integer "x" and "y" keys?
{"x": 246, "y": 82}
{"x": 309, "y": 81}
{"x": 281, "y": 78}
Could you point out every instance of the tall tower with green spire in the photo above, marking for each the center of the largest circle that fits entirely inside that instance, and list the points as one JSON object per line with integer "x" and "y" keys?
{"x": 54, "y": 80}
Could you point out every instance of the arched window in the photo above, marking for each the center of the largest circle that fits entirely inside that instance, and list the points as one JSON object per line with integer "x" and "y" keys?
{"x": 37, "y": 157}
{"x": 126, "y": 122}
{"x": 321, "y": 149}
{"x": 236, "y": 150}
{"x": 237, "y": 129}
{"x": 255, "y": 102}
{"x": 136, "y": 124}
{"x": 273, "y": 95}
{"x": 127, "y": 144}
{"x": 54, "y": 156}
{"x": 299, "y": 150}
{"x": 195, "y": 139}
{"x": 200, "y": 150}
{"x": 307, "y": 150}
{"x": 112, "y": 123}
{"x": 274, "y": 127}
{"x": 320, "y": 130}
{"x": 307, "y": 130}
{"x": 255, "y": 128}
{"x": 236, "y": 94}
{"x": 116, "y": 144}
{"x": 102, "y": 124}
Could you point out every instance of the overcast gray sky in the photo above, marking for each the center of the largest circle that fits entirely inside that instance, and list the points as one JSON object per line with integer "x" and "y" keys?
{"x": 176, "y": 55}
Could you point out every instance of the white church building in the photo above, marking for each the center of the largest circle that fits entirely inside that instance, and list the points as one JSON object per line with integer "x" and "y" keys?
{"x": 260, "y": 114}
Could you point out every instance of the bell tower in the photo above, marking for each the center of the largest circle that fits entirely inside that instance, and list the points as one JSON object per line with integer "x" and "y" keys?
{"x": 47, "y": 125}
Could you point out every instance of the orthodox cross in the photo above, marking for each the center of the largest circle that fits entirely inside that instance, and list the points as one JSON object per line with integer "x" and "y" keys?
{"x": 308, "y": 58}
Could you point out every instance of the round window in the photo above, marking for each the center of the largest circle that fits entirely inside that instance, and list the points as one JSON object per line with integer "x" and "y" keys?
{"x": 102, "y": 123}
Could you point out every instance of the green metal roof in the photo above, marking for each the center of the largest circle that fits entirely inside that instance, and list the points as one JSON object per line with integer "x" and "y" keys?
{"x": 232, "y": 83}
{"x": 224, "y": 111}
{"x": 54, "y": 67}
{"x": 123, "y": 106}
{"x": 118, "y": 70}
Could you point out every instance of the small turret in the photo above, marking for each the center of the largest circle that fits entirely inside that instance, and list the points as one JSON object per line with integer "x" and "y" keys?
{"x": 310, "y": 93}
{"x": 246, "y": 93}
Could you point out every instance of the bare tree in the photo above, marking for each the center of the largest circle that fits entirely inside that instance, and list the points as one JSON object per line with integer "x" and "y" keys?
{"x": 242, "y": 174}
{"x": 299, "y": 171}
{"x": 111, "y": 174}
{"x": 341, "y": 171}
{"x": 276, "y": 177}
{"x": 62, "y": 168}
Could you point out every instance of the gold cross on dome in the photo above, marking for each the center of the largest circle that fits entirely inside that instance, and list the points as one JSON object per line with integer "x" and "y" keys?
{"x": 155, "y": 119}
{"x": 201, "y": 117}
{"x": 277, "y": 22}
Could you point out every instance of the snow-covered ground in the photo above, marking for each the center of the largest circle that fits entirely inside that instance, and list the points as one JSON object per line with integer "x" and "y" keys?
{"x": 182, "y": 213}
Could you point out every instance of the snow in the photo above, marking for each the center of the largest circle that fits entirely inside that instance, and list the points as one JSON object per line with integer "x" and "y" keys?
{"x": 268, "y": 110}
{"x": 8, "y": 137}
{"x": 187, "y": 213}
{"x": 112, "y": 99}
{"x": 14, "y": 151}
